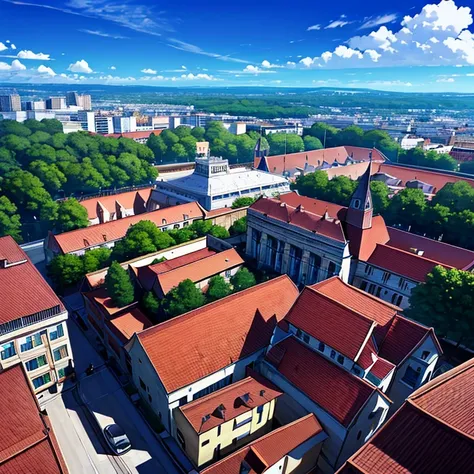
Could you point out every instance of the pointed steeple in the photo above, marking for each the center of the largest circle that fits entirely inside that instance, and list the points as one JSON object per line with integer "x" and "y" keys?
{"x": 263, "y": 165}
{"x": 360, "y": 210}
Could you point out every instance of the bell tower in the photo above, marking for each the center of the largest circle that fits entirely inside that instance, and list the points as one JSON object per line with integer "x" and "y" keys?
{"x": 360, "y": 210}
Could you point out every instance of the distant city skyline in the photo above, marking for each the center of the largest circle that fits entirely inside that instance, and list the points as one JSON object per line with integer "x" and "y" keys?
{"x": 404, "y": 46}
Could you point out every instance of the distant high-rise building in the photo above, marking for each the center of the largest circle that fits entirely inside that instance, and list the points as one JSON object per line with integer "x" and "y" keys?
{"x": 125, "y": 124}
{"x": 87, "y": 120}
{"x": 56, "y": 103}
{"x": 104, "y": 124}
{"x": 10, "y": 103}
{"x": 72, "y": 98}
{"x": 85, "y": 101}
{"x": 35, "y": 105}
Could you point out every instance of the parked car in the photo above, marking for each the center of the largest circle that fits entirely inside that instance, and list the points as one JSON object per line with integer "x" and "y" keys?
{"x": 117, "y": 439}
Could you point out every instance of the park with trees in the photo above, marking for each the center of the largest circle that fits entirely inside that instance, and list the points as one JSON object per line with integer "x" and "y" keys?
{"x": 40, "y": 165}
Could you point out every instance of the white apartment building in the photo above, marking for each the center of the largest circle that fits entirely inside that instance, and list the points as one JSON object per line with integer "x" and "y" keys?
{"x": 104, "y": 124}
{"x": 33, "y": 330}
{"x": 125, "y": 124}
{"x": 10, "y": 103}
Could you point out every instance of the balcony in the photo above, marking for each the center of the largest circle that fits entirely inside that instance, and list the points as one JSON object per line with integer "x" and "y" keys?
{"x": 26, "y": 321}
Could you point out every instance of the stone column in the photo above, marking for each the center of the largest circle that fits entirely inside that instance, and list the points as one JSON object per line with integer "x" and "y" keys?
{"x": 248, "y": 247}
{"x": 285, "y": 263}
{"x": 263, "y": 250}
{"x": 304, "y": 267}
{"x": 323, "y": 270}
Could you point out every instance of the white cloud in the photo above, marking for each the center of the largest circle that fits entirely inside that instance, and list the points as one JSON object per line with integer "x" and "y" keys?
{"x": 290, "y": 65}
{"x": 14, "y": 66}
{"x": 250, "y": 69}
{"x": 27, "y": 54}
{"x": 184, "y": 68}
{"x": 372, "y": 22}
{"x": 46, "y": 70}
{"x": 3, "y": 47}
{"x": 337, "y": 24}
{"x": 113, "y": 68}
{"x": 81, "y": 67}
{"x": 445, "y": 79}
{"x": 437, "y": 36}
{"x": 313, "y": 28}
{"x": 268, "y": 65}
{"x": 12, "y": 46}
{"x": 195, "y": 77}
{"x": 148, "y": 71}
{"x": 101, "y": 33}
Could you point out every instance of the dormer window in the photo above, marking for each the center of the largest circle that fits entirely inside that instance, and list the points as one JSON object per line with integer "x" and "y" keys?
{"x": 425, "y": 355}
{"x": 356, "y": 203}
{"x": 163, "y": 222}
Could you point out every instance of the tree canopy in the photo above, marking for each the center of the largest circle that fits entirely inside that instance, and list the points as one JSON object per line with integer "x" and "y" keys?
{"x": 218, "y": 288}
{"x": 119, "y": 286}
{"x": 183, "y": 298}
{"x": 242, "y": 280}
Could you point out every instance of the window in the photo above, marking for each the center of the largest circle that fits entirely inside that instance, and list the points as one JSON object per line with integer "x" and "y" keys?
{"x": 8, "y": 350}
{"x": 356, "y": 371}
{"x": 377, "y": 293}
{"x": 142, "y": 384}
{"x": 185, "y": 224}
{"x": 205, "y": 443}
{"x": 425, "y": 355}
{"x": 176, "y": 226}
{"x": 321, "y": 346}
{"x": 228, "y": 273}
{"x": 62, "y": 373}
{"x": 243, "y": 422}
{"x": 32, "y": 341}
{"x": 333, "y": 354}
{"x": 34, "y": 364}
{"x": 340, "y": 359}
{"x": 412, "y": 376}
{"x": 400, "y": 283}
{"x": 42, "y": 380}
{"x": 363, "y": 285}
{"x": 260, "y": 414}
{"x": 183, "y": 400}
{"x": 306, "y": 338}
{"x": 371, "y": 289}
{"x": 299, "y": 333}
{"x": 149, "y": 398}
{"x": 369, "y": 270}
{"x": 385, "y": 277}
{"x": 57, "y": 333}
{"x": 356, "y": 203}
{"x": 180, "y": 437}
{"x": 163, "y": 221}
{"x": 331, "y": 269}
{"x": 243, "y": 435}
{"x": 359, "y": 434}
{"x": 60, "y": 353}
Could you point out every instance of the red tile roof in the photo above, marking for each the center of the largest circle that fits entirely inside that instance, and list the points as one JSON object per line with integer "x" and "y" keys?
{"x": 279, "y": 163}
{"x": 147, "y": 274}
{"x": 26, "y": 445}
{"x": 95, "y": 235}
{"x": 130, "y": 200}
{"x": 15, "y": 279}
{"x": 320, "y": 379}
{"x": 446, "y": 254}
{"x": 362, "y": 242}
{"x": 382, "y": 368}
{"x": 229, "y": 397}
{"x": 102, "y": 299}
{"x": 299, "y": 216}
{"x": 402, "y": 263}
{"x": 266, "y": 451}
{"x": 125, "y": 325}
{"x": 199, "y": 270}
{"x": 217, "y": 334}
{"x": 315, "y": 206}
{"x": 134, "y": 135}
{"x": 331, "y": 322}
{"x": 432, "y": 433}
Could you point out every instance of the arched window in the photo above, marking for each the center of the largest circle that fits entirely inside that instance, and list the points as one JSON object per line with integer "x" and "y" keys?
{"x": 356, "y": 204}
{"x": 163, "y": 221}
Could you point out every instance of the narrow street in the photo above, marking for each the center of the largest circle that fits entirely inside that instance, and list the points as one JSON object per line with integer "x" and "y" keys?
{"x": 80, "y": 438}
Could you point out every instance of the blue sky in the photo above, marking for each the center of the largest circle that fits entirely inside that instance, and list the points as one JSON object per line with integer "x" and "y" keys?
{"x": 402, "y": 46}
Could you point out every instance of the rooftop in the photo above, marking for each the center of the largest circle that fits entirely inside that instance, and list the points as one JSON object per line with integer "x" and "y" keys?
{"x": 125, "y": 325}
{"x": 217, "y": 334}
{"x": 200, "y": 269}
{"x": 432, "y": 432}
{"x": 134, "y": 135}
{"x": 95, "y": 235}
{"x": 132, "y": 199}
{"x": 14, "y": 304}
{"x": 266, "y": 451}
{"x": 28, "y": 444}
{"x": 101, "y": 298}
{"x": 319, "y": 379}
{"x": 228, "y": 403}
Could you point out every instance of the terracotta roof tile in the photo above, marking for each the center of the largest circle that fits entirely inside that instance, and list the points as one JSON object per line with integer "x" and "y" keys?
{"x": 132, "y": 199}
{"x": 368, "y": 355}
{"x": 280, "y": 210}
{"x": 125, "y": 325}
{"x": 199, "y": 270}
{"x": 94, "y": 235}
{"x": 382, "y": 368}
{"x": 402, "y": 263}
{"x": 25, "y": 446}
{"x": 14, "y": 304}
{"x": 217, "y": 334}
{"x": 320, "y": 379}
{"x": 269, "y": 449}
{"x": 446, "y": 254}
{"x": 134, "y": 135}
{"x": 101, "y": 298}
{"x": 362, "y": 242}
{"x": 230, "y": 398}
{"x": 329, "y": 321}
{"x": 147, "y": 274}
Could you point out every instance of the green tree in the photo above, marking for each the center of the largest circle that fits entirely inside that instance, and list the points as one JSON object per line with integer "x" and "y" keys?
{"x": 71, "y": 215}
{"x": 281, "y": 143}
{"x": 327, "y": 134}
{"x": 436, "y": 219}
{"x": 157, "y": 146}
{"x": 50, "y": 175}
{"x": 219, "y": 232}
{"x": 340, "y": 190}
{"x": 201, "y": 227}
{"x": 242, "y": 280}
{"x": 218, "y": 288}
{"x": 446, "y": 302}
{"x": 66, "y": 270}
{"x": 239, "y": 226}
{"x": 9, "y": 220}
{"x": 96, "y": 259}
{"x": 312, "y": 143}
{"x": 380, "y": 192}
{"x": 39, "y": 137}
{"x": 178, "y": 153}
{"x": 351, "y": 135}
{"x": 313, "y": 185}
{"x": 457, "y": 196}
{"x": 406, "y": 208}
{"x": 52, "y": 126}
{"x": 243, "y": 202}
{"x": 467, "y": 167}
{"x": 119, "y": 286}
{"x": 460, "y": 229}
{"x": 169, "y": 138}
{"x": 182, "y": 131}
{"x": 150, "y": 304}
{"x": 183, "y": 298}
{"x": 189, "y": 144}
{"x": 181, "y": 235}
{"x": 13, "y": 127}
{"x": 198, "y": 133}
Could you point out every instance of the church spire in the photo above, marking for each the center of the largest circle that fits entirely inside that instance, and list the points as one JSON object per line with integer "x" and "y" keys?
{"x": 360, "y": 210}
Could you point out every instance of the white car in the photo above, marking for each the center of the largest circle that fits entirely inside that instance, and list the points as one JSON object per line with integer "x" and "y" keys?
{"x": 117, "y": 439}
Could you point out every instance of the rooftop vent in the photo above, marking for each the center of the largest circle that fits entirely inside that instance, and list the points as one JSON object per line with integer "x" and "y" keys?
{"x": 417, "y": 251}
{"x": 219, "y": 412}
{"x": 246, "y": 398}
